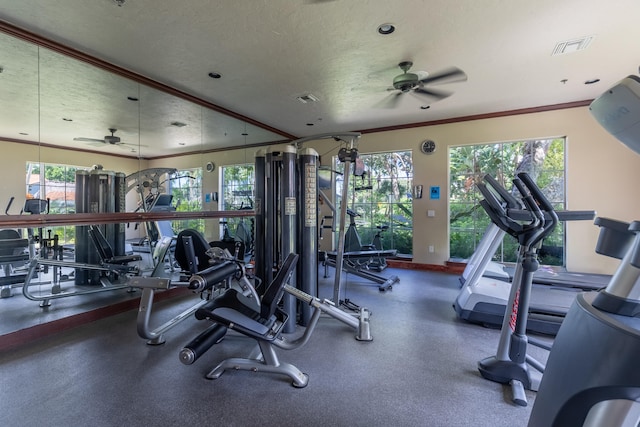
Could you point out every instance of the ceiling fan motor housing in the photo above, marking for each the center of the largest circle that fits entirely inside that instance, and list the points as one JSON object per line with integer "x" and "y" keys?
{"x": 110, "y": 139}
{"x": 405, "y": 82}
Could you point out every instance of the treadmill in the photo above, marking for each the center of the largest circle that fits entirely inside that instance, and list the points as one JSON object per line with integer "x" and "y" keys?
{"x": 483, "y": 299}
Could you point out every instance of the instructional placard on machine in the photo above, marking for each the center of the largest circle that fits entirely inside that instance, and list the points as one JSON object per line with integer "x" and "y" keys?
{"x": 290, "y": 206}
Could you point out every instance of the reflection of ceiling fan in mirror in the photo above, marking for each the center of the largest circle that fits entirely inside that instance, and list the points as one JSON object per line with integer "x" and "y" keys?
{"x": 109, "y": 140}
{"x": 416, "y": 84}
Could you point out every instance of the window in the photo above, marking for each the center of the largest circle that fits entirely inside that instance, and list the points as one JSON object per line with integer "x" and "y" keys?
{"x": 237, "y": 184}
{"x": 383, "y": 197}
{"x": 543, "y": 159}
{"x": 58, "y": 184}
{"x": 186, "y": 189}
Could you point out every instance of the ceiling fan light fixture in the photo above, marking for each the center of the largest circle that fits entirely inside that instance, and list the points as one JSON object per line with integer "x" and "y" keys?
{"x": 386, "y": 29}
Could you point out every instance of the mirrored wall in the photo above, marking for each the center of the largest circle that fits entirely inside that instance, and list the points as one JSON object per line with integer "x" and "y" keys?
{"x": 54, "y": 100}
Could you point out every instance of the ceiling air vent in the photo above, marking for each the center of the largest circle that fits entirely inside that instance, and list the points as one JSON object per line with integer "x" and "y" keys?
{"x": 305, "y": 99}
{"x": 571, "y": 46}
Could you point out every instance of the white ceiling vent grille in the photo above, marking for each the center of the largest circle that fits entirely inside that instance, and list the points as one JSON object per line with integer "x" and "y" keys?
{"x": 571, "y": 46}
{"x": 305, "y": 99}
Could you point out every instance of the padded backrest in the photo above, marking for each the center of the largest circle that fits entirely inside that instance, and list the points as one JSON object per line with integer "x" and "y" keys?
{"x": 200, "y": 247}
{"x": 100, "y": 242}
{"x": 274, "y": 292}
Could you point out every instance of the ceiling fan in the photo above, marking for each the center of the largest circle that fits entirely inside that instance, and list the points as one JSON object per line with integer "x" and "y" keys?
{"x": 108, "y": 139}
{"x": 416, "y": 84}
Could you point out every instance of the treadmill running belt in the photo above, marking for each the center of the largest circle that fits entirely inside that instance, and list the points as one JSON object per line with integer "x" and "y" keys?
{"x": 586, "y": 281}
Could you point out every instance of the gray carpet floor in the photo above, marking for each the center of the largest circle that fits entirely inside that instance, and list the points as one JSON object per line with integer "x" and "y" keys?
{"x": 419, "y": 370}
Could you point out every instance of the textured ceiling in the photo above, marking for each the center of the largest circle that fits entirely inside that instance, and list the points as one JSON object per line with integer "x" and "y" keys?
{"x": 270, "y": 52}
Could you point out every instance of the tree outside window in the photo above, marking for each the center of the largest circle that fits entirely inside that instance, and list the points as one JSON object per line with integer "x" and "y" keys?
{"x": 542, "y": 159}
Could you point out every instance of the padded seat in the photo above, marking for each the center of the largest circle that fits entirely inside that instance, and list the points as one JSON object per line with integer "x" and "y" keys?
{"x": 106, "y": 251}
{"x": 264, "y": 323}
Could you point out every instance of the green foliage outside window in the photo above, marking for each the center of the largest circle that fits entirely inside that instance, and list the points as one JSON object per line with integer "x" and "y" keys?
{"x": 542, "y": 159}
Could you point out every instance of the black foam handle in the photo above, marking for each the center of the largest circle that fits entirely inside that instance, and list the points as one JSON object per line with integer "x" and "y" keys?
{"x": 203, "y": 342}
{"x": 213, "y": 275}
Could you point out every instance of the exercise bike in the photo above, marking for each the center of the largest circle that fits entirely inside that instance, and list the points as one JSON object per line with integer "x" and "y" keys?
{"x": 353, "y": 243}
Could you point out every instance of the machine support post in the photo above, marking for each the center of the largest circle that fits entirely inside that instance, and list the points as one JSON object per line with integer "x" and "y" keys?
{"x": 289, "y": 224}
{"x": 348, "y": 156}
{"x": 259, "y": 207}
{"x": 308, "y": 229}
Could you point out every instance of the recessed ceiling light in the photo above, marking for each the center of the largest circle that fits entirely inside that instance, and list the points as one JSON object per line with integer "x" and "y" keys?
{"x": 215, "y": 75}
{"x": 309, "y": 124}
{"x": 592, "y": 81}
{"x": 385, "y": 29}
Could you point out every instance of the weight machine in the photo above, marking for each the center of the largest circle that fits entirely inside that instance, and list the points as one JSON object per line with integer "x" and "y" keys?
{"x": 286, "y": 206}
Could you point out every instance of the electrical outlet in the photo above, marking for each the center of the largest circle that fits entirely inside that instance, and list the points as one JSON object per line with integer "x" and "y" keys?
{"x": 431, "y": 249}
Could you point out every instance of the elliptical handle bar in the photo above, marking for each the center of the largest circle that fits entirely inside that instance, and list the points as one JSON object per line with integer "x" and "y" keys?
{"x": 537, "y": 194}
{"x": 508, "y": 198}
{"x": 543, "y": 203}
{"x": 532, "y": 206}
{"x": 491, "y": 198}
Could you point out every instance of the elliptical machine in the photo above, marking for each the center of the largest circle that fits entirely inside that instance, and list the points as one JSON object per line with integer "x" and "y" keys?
{"x": 592, "y": 376}
{"x": 510, "y": 364}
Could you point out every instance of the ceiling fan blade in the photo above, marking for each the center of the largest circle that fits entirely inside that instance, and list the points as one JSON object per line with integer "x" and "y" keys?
{"x": 449, "y": 75}
{"x": 432, "y": 93}
{"x": 390, "y": 101}
{"x": 89, "y": 140}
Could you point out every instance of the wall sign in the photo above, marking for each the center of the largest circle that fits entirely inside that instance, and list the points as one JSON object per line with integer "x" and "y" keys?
{"x": 434, "y": 193}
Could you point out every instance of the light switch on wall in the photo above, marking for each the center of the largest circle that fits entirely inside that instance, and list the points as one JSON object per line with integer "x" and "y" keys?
{"x": 431, "y": 213}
